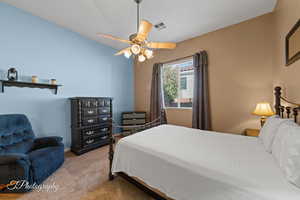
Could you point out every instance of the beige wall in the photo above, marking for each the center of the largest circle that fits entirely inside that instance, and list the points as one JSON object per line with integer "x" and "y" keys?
{"x": 246, "y": 61}
{"x": 286, "y": 14}
{"x": 240, "y": 74}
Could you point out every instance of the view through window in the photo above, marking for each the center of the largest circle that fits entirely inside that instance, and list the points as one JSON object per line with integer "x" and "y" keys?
{"x": 178, "y": 84}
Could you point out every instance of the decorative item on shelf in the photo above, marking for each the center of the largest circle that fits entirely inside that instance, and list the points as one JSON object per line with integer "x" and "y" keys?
{"x": 12, "y": 74}
{"x": 34, "y": 79}
{"x": 53, "y": 82}
{"x": 263, "y": 110}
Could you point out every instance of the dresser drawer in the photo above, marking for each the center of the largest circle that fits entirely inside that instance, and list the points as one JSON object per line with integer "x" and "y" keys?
{"x": 89, "y": 112}
{"x": 103, "y": 110}
{"x": 104, "y": 137}
{"x": 89, "y": 132}
{"x": 92, "y": 132}
{"x": 90, "y": 121}
{"x": 104, "y": 118}
{"x": 99, "y": 132}
{"x": 90, "y": 141}
{"x": 134, "y": 121}
{"x": 104, "y": 102}
{"x": 89, "y": 103}
{"x": 107, "y": 103}
{"x": 101, "y": 102}
{"x": 104, "y": 129}
{"x": 95, "y": 140}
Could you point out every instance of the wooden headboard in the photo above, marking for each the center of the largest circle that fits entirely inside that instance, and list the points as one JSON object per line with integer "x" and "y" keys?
{"x": 285, "y": 111}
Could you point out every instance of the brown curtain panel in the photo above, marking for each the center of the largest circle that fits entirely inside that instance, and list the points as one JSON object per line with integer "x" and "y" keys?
{"x": 156, "y": 99}
{"x": 201, "y": 111}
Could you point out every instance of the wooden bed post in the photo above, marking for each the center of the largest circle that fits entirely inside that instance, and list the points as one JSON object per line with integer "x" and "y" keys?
{"x": 111, "y": 155}
{"x": 277, "y": 100}
{"x": 295, "y": 111}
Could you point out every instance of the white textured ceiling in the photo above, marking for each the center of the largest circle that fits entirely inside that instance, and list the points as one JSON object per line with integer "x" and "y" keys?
{"x": 184, "y": 18}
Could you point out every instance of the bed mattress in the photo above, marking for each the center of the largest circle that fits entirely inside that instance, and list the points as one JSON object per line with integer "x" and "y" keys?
{"x": 190, "y": 164}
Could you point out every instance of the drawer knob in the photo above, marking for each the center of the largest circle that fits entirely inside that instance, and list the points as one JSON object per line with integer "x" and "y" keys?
{"x": 90, "y": 132}
{"x": 90, "y": 141}
{"x": 90, "y": 121}
{"x": 90, "y": 112}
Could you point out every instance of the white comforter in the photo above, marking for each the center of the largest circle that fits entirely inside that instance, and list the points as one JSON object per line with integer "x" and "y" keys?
{"x": 189, "y": 164}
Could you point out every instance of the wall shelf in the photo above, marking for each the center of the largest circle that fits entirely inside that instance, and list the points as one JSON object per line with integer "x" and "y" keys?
{"x": 6, "y": 83}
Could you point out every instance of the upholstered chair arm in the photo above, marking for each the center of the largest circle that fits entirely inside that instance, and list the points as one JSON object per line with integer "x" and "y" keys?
{"x": 47, "y": 142}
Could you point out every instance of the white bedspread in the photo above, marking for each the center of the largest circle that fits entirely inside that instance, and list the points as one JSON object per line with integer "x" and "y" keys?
{"x": 189, "y": 164}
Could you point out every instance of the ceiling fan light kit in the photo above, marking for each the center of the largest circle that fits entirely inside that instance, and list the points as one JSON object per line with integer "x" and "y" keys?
{"x": 149, "y": 53}
{"x": 127, "y": 54}
{"x": 141, "y": 58}
{"x": 135, "y": 49}
{"x": 140, "y": 47}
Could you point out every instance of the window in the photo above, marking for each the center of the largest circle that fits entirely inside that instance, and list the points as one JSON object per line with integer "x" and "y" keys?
{"x": 178, "y": 84}
{"x": 183, "y": 83}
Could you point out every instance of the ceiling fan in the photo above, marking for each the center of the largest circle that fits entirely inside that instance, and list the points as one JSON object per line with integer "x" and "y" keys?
{"x": 140, "y": 46}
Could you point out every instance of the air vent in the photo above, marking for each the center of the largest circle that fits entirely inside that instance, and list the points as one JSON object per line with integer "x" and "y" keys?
{"x": 160, "y": 26}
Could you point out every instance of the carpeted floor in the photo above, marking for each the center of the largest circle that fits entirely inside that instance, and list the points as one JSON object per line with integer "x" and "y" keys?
{"x": 84, "y": 177}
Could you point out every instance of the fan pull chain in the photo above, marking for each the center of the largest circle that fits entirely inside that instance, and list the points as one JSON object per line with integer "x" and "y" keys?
{"x": 138, "y": 16}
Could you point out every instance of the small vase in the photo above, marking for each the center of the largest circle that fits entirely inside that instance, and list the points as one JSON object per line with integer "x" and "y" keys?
{"x": 53, "y": 82}
{"x": 34, "y": 79}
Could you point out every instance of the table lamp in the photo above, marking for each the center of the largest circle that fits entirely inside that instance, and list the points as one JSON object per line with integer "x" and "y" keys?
{"x": 263, "y": 110}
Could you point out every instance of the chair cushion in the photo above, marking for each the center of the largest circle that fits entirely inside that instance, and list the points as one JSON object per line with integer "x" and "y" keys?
{"x": 45, "y": 161}
{"x": 21, "y": 147}
{"x": 16, "y": 135}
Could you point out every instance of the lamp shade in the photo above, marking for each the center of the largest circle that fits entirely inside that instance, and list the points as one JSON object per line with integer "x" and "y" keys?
{"x": 263, "y": 109}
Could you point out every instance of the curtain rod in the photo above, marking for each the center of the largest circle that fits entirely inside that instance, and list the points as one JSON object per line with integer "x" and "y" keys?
{"x": 170, "y": 61}
{"x": 174, "y": 60}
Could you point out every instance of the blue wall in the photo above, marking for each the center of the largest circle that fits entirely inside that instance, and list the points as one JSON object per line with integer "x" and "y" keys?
{"x": 85, "y": 68}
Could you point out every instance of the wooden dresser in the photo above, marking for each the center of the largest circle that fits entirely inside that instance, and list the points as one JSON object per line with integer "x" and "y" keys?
{"x": 90, "y": 123}
{"x": 132, "y": 118}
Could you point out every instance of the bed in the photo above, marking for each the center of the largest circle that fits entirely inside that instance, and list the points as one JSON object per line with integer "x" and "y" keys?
{"x": 191, "y": 164}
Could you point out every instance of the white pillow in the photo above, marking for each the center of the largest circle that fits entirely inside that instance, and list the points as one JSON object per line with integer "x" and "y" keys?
{"x": 286, "y": 150}
{"x": 269, "y": 130}
{"x": 280, "y": 140}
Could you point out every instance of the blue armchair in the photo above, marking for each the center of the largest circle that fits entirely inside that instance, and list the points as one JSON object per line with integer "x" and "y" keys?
{"x": 24, "y": 157}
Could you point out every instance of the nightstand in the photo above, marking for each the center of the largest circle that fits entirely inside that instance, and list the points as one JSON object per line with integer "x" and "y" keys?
{"x": 251, "y": 132}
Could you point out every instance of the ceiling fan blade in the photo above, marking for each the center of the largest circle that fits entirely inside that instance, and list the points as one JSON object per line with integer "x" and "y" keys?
{"x": 113, "y": 38}
{"x": 161, "y": 45}
{"x": 122, "y": 51}
{"x": 144, "y": 29}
